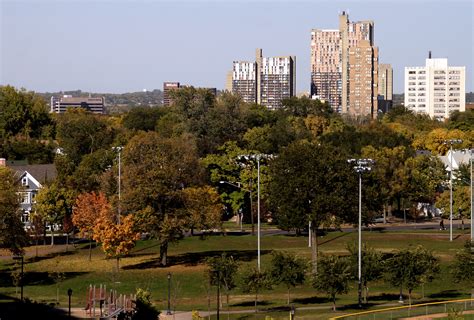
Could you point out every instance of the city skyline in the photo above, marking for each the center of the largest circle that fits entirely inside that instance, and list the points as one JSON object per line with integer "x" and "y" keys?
{"x": 125, "y": 46}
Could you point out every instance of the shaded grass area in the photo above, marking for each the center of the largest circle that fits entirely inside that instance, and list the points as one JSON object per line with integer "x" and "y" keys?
{"x": 187, "y": 267}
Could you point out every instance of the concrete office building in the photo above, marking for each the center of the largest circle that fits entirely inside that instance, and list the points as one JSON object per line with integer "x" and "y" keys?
{"x": 435, "y": 89}
{"x": 385, "y": 87}
{"x": 167, "y": 87}
{"x": 267, "y": 81}
{"x": 61, "y": 104}
{"x": 331, "y": 77}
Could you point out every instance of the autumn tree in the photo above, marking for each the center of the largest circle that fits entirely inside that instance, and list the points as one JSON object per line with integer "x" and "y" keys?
{"x": 333, "y": 277}
{"x": 12, "y": 235}
{"x": 287, "y": 269}
{"x": 117, "y": 239}
{"x": 156, "y": 170}
{"x": 87, "y": 210}
{"x": 53, "y": 204}
{"x": 203, "y": 207}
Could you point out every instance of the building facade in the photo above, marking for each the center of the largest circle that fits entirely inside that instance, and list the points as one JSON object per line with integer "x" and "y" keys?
{"x": 363, "y": 79}
{"x": 385, "y": 87}
{"x": 61, "y": 104}
{"x": 167, "y": 87}
{"x": 435, "y": 89}
{"x": 267, "y": 81}
{"x": 332, "y": 52}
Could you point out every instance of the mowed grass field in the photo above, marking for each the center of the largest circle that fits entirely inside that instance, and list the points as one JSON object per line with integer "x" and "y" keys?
{"x": 187, "y": 267}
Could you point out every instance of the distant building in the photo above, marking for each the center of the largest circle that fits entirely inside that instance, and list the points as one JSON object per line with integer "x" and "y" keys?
{"x": 32, "y": 178}
{"x": 345, "y": 60}
{"x": 167, "y": 87}
{"x": 61, "y": 104}
{"x": 267, "y": 81}
{"x": 435, "y": 89}
{"x": 385, "y": 87}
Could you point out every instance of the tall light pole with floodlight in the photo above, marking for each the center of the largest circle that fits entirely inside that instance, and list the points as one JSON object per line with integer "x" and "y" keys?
{"x": 360, "y": 166}
{"x": 450, "y": 142}
{"x": 258, "y": 158}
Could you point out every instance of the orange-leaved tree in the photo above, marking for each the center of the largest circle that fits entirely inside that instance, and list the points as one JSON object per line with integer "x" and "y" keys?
{"x": 117, "y": 239}
{"x": 89, "y": 207}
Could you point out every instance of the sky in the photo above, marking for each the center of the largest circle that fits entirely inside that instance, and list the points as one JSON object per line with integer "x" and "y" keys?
{"x": 117, "y": 46}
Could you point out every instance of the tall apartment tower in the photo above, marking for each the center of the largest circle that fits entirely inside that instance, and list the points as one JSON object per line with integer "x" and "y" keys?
{"x": 331, "y": 77}
{"x": 385, "y": 87}
{"x": 267, "y": 81}
{"x": 167, "y": 87}
{"x": 435, "y": 89}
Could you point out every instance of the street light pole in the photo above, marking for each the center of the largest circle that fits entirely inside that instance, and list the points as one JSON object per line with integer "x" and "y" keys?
{"x": 168, "y": 312}
{"x": 451, "y": 142}
{"x": 361, "y": 165}
{"x": 119, "y": 150}
{"x": 258, "y": 158}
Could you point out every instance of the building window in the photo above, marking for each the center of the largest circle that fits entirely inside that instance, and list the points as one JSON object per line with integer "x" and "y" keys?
{"x": 24, "y": 181}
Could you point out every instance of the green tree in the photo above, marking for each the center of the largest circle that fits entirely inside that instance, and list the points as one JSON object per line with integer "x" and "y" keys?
{"x": 287, "y": 269}
{"x": 222, "y": 272}
{"x": 12, "y": 235}
{"x": 461, "y": 203}
{"x": 203, "y": 207}
{"x": 80, "y": 132}
{"x": 312, "y": 183}
{"x": 410, "y": 268}
{"x": 463, "y": 266}
{"x": 333, "y": 277}
{"x": 142, "y": 118}
{"x": 371, "y": 268}
{"x": 156, "y": 170}
{"x": 254, "y": 281}
{"x": 53, "y": 203}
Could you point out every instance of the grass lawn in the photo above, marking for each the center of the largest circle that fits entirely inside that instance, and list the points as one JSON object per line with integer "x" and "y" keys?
{"x": 187, "y": 267}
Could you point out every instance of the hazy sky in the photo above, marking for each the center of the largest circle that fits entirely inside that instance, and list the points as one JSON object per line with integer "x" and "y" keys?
{"x": 123, "y": 46}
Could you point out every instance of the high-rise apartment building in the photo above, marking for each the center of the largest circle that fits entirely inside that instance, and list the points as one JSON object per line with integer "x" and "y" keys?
{"x": 267, "y": 81}
{"x": 435, "y": 89}
{"x": 331, "y": 76}
{"x": 363, "y": 66}
{"x": 61, "y": 104}
{"x": 167, "y": 87}
{"x": 385, "y": 87}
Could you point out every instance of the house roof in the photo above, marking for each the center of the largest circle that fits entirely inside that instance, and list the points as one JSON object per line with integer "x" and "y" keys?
{"x": 459, "y": 157}
{"x": 41, "y": 172}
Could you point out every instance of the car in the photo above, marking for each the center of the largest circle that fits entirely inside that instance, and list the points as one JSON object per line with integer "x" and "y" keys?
{"x": 378, "y": 219}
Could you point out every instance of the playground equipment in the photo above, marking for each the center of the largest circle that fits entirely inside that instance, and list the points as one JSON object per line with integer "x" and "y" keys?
{"x": 107, "y": 305}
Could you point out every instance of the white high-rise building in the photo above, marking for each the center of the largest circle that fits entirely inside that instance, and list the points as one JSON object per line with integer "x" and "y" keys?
{"x": 435, "y": 89}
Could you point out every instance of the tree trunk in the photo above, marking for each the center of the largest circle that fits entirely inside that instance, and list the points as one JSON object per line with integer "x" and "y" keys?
{"x": 384, "y": 214}
{"x": 90, "y": 248}
{"x": 36, "y": 246}
{"x": 409, "y": 297}
{"x": 52, "y": 236}
{"x": 256, "y": 299}
{"x": 118, "y": 264}
{"x": 288, "y": 296}
{"x": 366, "y": 289}
{"x": 67, "y": 241}
{"x": 228, "y": 307}
{"x": 314, "y": 247}
{"x": 334, "y": 303}
{"x": 164, "y": 253}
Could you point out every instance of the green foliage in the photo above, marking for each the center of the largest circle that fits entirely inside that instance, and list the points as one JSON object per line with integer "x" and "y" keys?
{"x": 463, "y": 265}
{"x": 142, "y": 118}
{"x": 80, "y": 133}
{"x": 333, "y": 276}
{"x": 287, "y": 269}
{"x": 462, "y": 120}
{"x": 411, "y": 267}
{"x": 32, "y": 150}
{"x": 143, "y": 309}
{"x": 12, "y": 235}
{"x": 253, "y": 281}
{"x": 461, "y": 202}
{"x": 222, "y": 271}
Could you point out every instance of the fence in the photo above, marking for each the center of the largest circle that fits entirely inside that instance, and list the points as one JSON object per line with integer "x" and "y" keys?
{"x": 452, "y": 307}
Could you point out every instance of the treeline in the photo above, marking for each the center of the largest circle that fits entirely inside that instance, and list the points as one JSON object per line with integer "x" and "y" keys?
{"x": 174, "y": 160}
